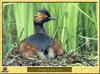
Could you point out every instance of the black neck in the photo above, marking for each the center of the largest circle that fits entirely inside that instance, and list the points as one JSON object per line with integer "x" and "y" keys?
{"x": 39, "y": 28}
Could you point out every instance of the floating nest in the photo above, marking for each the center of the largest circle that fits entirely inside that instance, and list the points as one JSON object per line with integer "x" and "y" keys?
{"x": 14, "y": 58}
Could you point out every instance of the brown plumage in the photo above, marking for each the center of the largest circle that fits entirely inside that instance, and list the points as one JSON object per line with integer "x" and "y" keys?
{"x": 27, "y": 50}
{"x": 56, "y": 46}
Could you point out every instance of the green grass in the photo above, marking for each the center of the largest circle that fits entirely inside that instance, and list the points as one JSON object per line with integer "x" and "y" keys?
{"x": 75, "y": 25}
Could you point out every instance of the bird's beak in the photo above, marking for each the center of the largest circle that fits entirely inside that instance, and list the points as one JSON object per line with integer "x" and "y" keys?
{"x": 51, "y": 18}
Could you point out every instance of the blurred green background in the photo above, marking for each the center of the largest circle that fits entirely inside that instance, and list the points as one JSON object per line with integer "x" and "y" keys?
{"x": 75, "y": 25}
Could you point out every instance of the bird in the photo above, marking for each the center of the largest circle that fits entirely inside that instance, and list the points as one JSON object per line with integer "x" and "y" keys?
{"x": 40, "y": 44}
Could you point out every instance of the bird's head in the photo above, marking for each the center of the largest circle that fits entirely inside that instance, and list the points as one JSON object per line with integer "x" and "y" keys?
{"x": 43, "y": 16}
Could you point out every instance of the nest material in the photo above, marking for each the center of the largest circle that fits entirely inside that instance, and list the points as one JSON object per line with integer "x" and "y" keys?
{"x": 14, "y": 58}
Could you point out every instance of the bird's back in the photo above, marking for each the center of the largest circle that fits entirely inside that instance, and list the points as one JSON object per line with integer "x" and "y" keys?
{"x": 41, "y": 41}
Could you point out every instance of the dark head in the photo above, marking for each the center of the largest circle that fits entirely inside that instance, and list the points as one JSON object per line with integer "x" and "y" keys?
{"x": 42, "y": 16}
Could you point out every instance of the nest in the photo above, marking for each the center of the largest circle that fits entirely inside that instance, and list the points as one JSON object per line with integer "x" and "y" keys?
{"x": 14, "y": 58}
